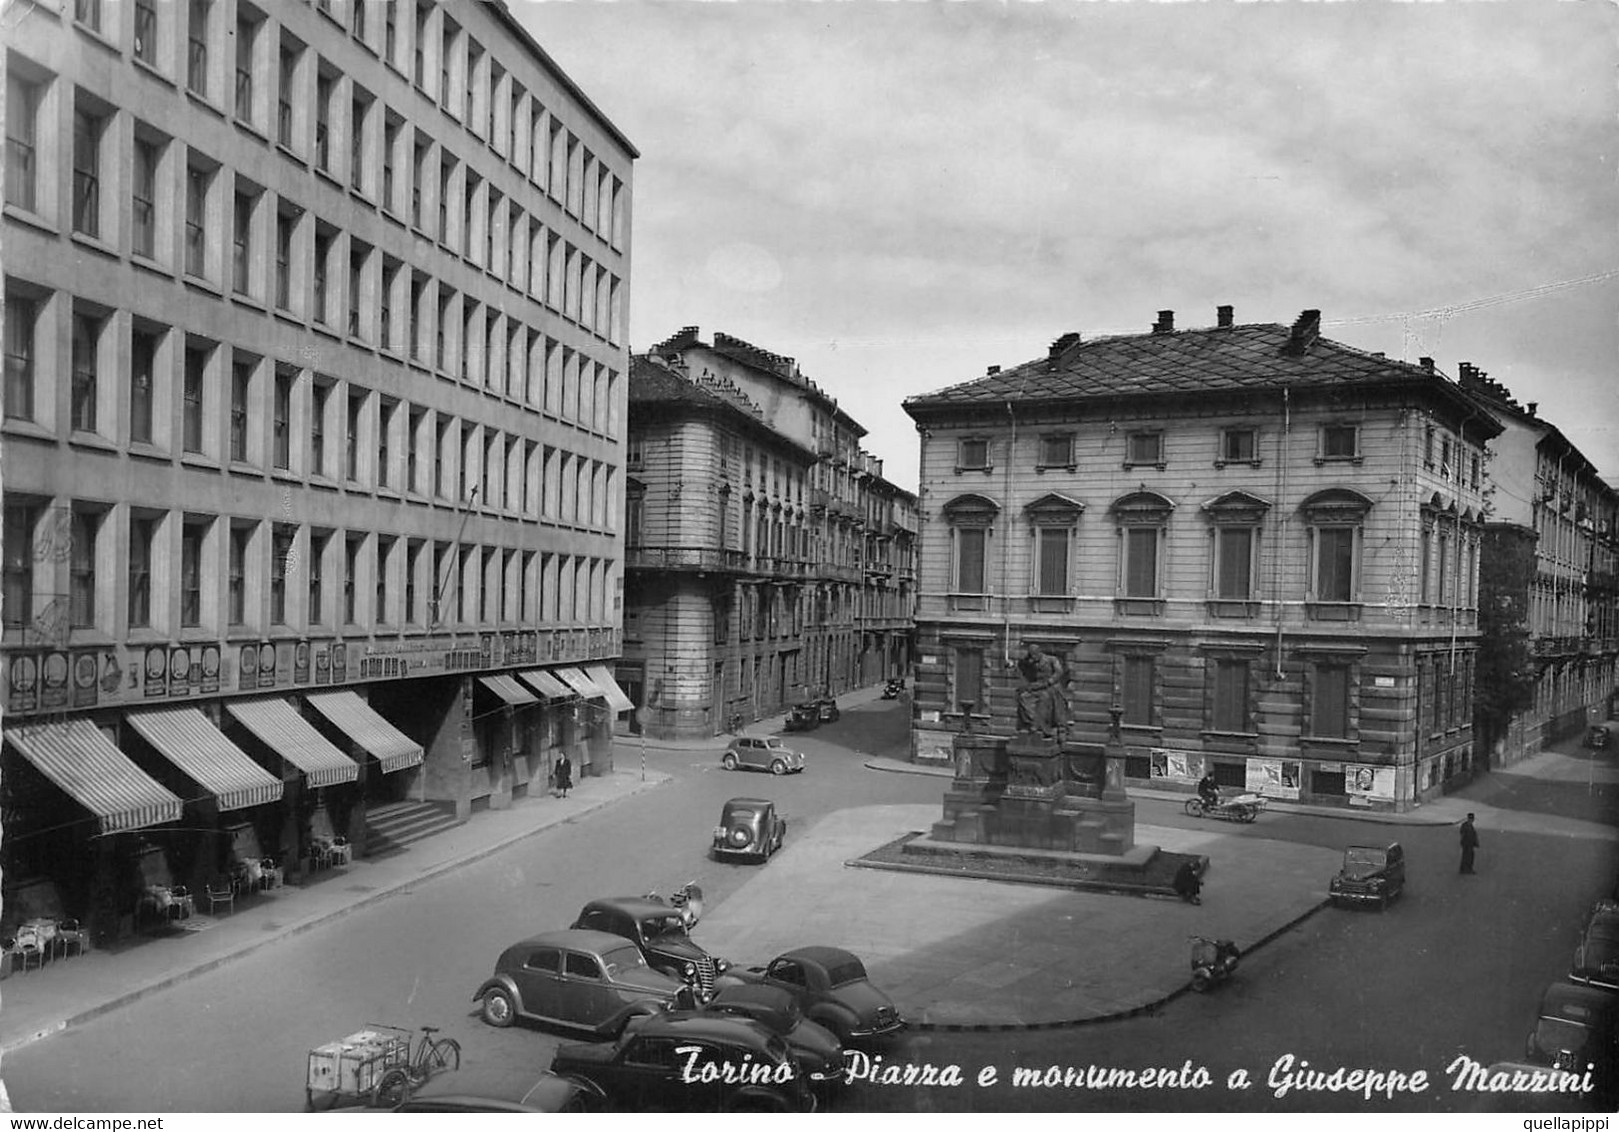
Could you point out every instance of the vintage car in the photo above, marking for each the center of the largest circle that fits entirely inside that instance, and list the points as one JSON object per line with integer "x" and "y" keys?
{"x": 1596, "y": 959}
{"x": 749, "y": 827}
{"x": 1577, "y": 1027}
{"x": 1601, "y": 735}
{"x": 584, "y": 980}
{"x": 689, "y": 1062}
{"x": 486, "y": 1088}
{"x": 803, "y": 717}
{"x": 817, "y": 1049}
{"x": 828, "y": 708}
{"x": 659, "y": 930}
{"x": 832, "y": 990}
{"x": 761, "y": 753}
{"x": 1371, "y": 874}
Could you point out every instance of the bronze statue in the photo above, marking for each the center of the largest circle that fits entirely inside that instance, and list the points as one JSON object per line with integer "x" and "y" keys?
{"x": 1042, "y": 705}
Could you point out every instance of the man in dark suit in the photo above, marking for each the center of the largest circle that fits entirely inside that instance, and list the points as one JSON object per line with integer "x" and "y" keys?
{"x": 1469, "y": 844}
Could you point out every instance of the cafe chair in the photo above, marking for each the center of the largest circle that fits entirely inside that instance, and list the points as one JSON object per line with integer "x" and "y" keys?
{"x": 340, "y": 853}
{"x": 10, "y": 955}
{"x": 26, "y": 952}
{"x": 220, "y": 892}
{"x": 270, "y": 874}
{"x": 71, "y": 938}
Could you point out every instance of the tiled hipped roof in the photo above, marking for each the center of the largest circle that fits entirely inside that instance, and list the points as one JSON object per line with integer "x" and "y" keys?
{"x": 1173, "y": 363}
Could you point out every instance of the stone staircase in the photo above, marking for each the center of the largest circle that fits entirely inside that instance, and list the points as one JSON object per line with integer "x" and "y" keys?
{"x": 391, "y": 827}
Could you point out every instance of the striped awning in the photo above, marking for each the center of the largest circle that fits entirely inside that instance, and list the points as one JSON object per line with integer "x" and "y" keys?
{"x": 579, "y": 682}
{"x": 295, "y": 739}
{"x": 353, "y": 716}
{"x": 83, "y": 762}
{"x": 509, "y": 690}
{"x": 202, "y": 752}
{"x": 603, "y": 679}
{"x": 546, "y": 684}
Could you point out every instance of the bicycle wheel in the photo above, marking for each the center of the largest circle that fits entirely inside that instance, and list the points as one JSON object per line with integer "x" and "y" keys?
{"x": 392, "y": 1089}
{"x": 444, "y": 1054}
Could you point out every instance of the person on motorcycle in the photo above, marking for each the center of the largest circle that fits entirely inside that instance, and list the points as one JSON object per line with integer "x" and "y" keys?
{"x": 1208, "y": 790}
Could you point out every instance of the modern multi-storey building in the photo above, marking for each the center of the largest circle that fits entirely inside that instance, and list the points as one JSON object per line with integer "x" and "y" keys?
{"x": 1551, "y": 575}
{"x": 769, "y": 559}
{"x": 314, "y": 411}
{"x": 1260, "y": 545}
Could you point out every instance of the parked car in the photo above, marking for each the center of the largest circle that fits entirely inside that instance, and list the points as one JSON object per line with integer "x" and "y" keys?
{"x": 749, "y": 827}
{"x": 804, "y": 717}
{"x": 1596, "y": 959}
{"x": 761, "y": 753}
{"x": 584, "y": 980}
{"x": 660, "y": 1064}
{"x": 1601, "y": 735}
{"x": 1577, "y": 1026}
{"x": 659, "y": 930}
{"x": 828, "y": 707}
{"x": 832, "y": 990}
{"x": 817, "y": 1049}
{"x": 1371, "y": 874}
{"x": 491, "y": 1089}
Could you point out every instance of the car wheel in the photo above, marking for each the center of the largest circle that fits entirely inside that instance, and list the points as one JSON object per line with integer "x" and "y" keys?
{"x": 498, "y": 1009}
{"x": 778, "y": 767}
{"x": 728, "y": 762}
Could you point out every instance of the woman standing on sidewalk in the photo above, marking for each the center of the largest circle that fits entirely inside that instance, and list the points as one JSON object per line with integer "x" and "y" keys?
{"x": 564, "y": 774}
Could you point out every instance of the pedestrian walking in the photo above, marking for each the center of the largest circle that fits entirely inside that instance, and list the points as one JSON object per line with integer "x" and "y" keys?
{"x": 1469, "y": 844}
{"x": 564, "y": 773}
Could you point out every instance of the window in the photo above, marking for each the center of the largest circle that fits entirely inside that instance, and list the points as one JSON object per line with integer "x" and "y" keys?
{"x": 413, "y": 562}
{"x": 284, "y": 225}
{"x": 241, "y": 381}
{"x": 242, "y": 244}
{"x": 1329, "y": 701}
{"x": 143, "y": 193}
{"x": 288, "y": 66}
{"x": 390, "y": 31}
{"x": 192, "y": 535}
{"x": 1335, "y": 517}
{"x": 1144, "y": 448}
{"x": 197, "y": 53}
{"x": 88, "y": 13}
{"x": 82, "y": 568}
{"x": 197, "y": 183}
{"x": 391, "y": 129}
{"x": 1229, "y": 695}
{"x": 142, "y": 373}
{"x": 146, "y": 31}
{"x": 357, "y": 115}
{"x": 424, "y": 11}
{"x": 1445, "y": 466}
{"x": 1473, "y": 462}
{"x": 87, "y": 173}
{"x": 1136, "y": 690}
{"x": 385, "y": 426}
{"x": 246, "y": 33}
{"x": 384, "y": 553}
{"x": 21, "y": 316}
{"x": 351, "y": 437}
{"x": 971, "y": 544}
{"x": 317, "y": 428}
{"x": 1234, "y": 562}
{"x": 967, "y": 682}
{"x": 323, "y": 255}
{"x": 22, "y": 113}
{"x": 1335, "y": 564}
{"x": 1340, "y": 442}
{"x": 1239, "y": 446}
{"x": 972, "y": 455}
{"x": 196, "y": 367}
{"x": 240, "y": 538}
{"x": 86, "y": 350}
{"x": 281, "y": 422}
{"x": 318, "y": 542}
{"x": 325, "y": 90}
{"x": 1057, "y": 451}
{"x": 1141, "y": 562}
{"x": 280, "y": 562}
{"x": 357, "y": 257}
{"x": 1052, "y": 561}
{"x": 357, "y": 18}
{"x": 351, "y": 572}
{"x": 1427, "y": 446}
{"x": 142, "y": 534}
{"x": 20, "y": 521}
{"x": 1425, "y": 565}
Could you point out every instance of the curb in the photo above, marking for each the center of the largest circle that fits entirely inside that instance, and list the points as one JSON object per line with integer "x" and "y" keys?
{"x": 1137, "y": 1011}
{"x": 654, "y": 779}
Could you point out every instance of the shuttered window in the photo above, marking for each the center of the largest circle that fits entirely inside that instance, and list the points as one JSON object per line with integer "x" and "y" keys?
{"x": 1053, "y": 579}
{"x": 970, "y": 544}
{"x": 1329, "y": 708}
{"x": 1335, "y": 564}
{"x": 1137, "y": 690}
{"x": 1231, "y": 695}
{"x": 1141, "y": 562}
{"x": 1234, "y": 559}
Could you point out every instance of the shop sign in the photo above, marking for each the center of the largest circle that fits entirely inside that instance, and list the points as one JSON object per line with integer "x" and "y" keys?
{"x": 22, "y": 683}
{"x": 84, "y": 679}
{"x": 486, "y": 648}
{"x": 112, "y": 673}
{"x": 323, "y": 664}
{"x": 157, "y": 671}
{"x": 1176, "y": 766}
{"x": 54, "y": 692}
{"x": 340, "y": 662}
{"x": 210, "y": 668}
{"x": 300, "y": 663}
{"x": 247, "y": 668}
{"x": 267, "y": 666}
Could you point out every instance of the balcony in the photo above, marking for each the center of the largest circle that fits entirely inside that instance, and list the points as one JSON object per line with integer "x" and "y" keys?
{"x": 692, "y": 558}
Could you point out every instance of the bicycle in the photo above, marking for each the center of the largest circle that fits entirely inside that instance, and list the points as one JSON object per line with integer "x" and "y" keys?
{"x": 734, "y": 723}
{"x": 432, "y": 1054}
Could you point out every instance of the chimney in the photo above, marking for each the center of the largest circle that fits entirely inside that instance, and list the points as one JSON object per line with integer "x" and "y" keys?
{"x": 1223, "y": 316}
{"x": 1165, "y": 323}
{"x": 993, "y": 370}
{"x": 1304, "y": 333}
{"x": 1426, "y": 364}
{"x": 1061, "y": 345}
{"x": 1531, "y": 407}
{"x": 1466, "y": 376}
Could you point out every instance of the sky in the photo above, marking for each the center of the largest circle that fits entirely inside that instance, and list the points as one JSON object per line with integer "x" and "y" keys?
{"x": 901, "y": 193}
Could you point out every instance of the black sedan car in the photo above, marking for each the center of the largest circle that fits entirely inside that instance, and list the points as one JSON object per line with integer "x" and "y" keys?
{"x": 691, "y": 1063}
{"x": 494, "y": 1090}
{"x": 831, "y": 987}
{"x": 749, "y": 828}
{"x": 582, "y": 980}
{"x": 817, "y": 1049}
{"x": 659, "y": 930}
{"x": 1596, "y": 960}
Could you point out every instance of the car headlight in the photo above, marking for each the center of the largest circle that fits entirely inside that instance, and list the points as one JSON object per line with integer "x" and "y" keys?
{"x": 722, "y": 965}
{"x": 689, "y": 970}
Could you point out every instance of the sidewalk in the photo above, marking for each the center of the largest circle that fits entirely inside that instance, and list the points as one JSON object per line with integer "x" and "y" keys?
{"x": 35, "y": 1004}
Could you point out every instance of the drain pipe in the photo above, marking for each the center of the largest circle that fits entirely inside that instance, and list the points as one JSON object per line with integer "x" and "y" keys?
{"x": 1006, "y": 544}
{"x": 1287, "y": 512}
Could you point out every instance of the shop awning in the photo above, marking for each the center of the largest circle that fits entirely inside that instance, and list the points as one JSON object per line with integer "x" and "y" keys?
{"x": 295, "y": 739}
{"x": 97, "y": 775}
{"x": 579, "y": 682}
{"x": 509, "y": 690}
{"x": 546, "y": 684}
{"x": 202, "y": 752}
{"x": 353, "y": 716}
{"x": 603, "y": 679}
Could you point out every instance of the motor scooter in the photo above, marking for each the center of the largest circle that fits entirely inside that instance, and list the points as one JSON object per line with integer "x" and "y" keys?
{"x": 1213, "y": 961}
{"x": 892, "y": 689}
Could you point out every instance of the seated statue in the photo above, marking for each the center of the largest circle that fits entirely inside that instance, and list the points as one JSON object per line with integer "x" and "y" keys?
{"x": 1042, "y": 705}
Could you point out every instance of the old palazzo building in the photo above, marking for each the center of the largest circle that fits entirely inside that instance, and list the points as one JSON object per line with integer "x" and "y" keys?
{"x": 769, "y": 560}
{"x": 314, "y": 411}
{"x": 1260, "y": 544}
{"x": 1551, "y": 571}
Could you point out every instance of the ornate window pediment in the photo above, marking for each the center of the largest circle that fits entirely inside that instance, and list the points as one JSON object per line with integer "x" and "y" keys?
{"x": 1142, "y": 507}
{"x": 971, "y": 510}
{"x": 1336, "y": 505}
{"x": 1236, "y": 507}
{"x": 1054, "y": 509}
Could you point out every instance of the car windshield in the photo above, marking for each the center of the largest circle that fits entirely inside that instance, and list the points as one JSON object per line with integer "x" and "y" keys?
{"x": 740, "y": 813}
{"x": 654, "y": 926}
{"x": 1604, "y": 928}
{"x": 1361, "y": 861}
{"x": 622, "y": 960}
{"x": 1555, "y": 1034}
{"x": 774, "y": 744}
{"x": 850, "y": 970}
